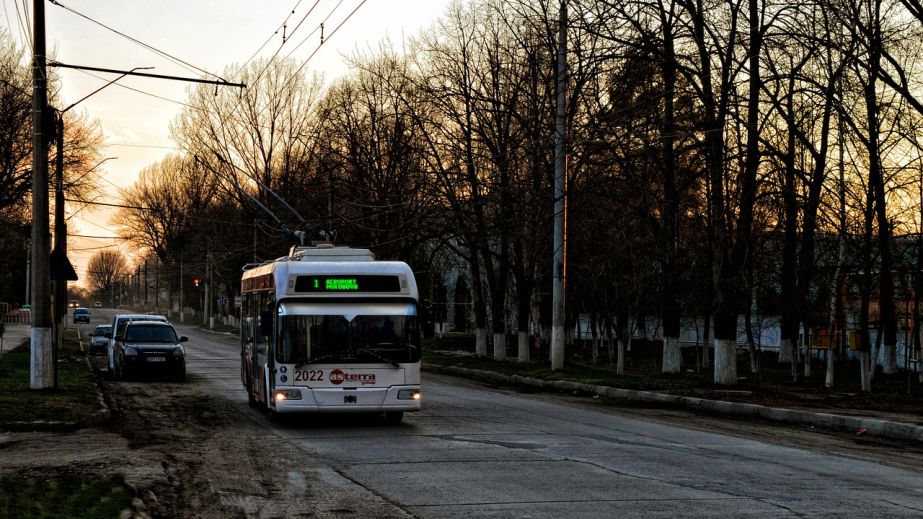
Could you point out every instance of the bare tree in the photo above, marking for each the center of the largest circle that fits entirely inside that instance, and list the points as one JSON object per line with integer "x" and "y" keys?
{"x": 252, "y": 139}
{"x": 105, "y": 269}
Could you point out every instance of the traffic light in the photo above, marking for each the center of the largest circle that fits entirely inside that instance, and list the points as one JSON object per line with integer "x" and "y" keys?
{"x": 195, "y": 281}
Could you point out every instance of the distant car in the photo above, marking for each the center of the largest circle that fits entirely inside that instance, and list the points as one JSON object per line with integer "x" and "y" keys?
{"x": 150, "y": 346}
{"x": 98, "y": 340}
{"x": 81, "y": 315}
{"x": 98, "y": 304}
{"x": 118, "y": 324}
{"x": 73, "y": 303}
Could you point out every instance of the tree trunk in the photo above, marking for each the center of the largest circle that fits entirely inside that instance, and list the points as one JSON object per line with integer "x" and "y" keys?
{"x": 624, "y": 339}
{"x": 480, "y": 307}
{"x": 670, "y": 311}
{"x": 672, "y": 355}
{"x": 887, "y": 318}
{"x": 499, "y": 346}
{"x": 725, "y": 362}
{"x": 522, "y": 346}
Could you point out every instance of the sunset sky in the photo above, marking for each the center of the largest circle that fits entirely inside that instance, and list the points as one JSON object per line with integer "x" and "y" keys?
{"x": 210, "y": 35}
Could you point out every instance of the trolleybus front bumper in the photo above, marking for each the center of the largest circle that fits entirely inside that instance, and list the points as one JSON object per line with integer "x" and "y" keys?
{"x": 298, "y": 399}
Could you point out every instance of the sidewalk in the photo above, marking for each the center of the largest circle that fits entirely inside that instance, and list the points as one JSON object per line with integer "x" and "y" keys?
{"x": 13, "y": 335}
{"x": 896, "y": 426}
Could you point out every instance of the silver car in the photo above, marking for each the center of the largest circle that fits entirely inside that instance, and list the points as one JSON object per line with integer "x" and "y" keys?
{"x": 98, "y": 340}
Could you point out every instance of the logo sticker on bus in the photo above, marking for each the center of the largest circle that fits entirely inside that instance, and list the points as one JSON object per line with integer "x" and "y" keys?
{"x": 338, "y": 376}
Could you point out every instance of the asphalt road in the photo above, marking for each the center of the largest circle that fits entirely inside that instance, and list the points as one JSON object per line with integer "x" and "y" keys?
{"x": 476, "y": 451}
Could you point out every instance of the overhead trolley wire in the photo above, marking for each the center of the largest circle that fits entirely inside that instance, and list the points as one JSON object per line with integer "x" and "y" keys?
{"x": 185, "y": 64}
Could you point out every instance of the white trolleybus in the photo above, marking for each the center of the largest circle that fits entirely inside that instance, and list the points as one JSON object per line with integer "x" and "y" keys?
{"x": 329, "y": 329}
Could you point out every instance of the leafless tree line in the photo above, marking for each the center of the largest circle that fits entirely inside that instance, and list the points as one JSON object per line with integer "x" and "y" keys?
{"x": 83, "y": 141}
{"x": 727, "y": 159}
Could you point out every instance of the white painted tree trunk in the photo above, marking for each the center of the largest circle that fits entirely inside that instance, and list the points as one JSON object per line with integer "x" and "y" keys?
{"x": 831, "y": 357}
{"x": 785, "y": 351}
{"x": 480, "y": 342}
{"x": 523, "y": 347}
{"x": 889, "y": 359}
{"x": 672, "y": 355}
{"x": 499, "y": 346}
{"x": 725, "y": 362}
{"x": 864, "y": 368}
{"x": 620, "y": 363}
{"x": 41, "y": 359}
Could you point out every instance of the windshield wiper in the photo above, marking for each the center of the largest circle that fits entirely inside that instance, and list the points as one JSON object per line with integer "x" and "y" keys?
{"x": 301, "y": 362}
{"x": 379, "y": 357}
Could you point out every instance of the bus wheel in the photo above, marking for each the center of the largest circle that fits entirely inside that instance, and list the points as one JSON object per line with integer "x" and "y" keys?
{"x": 250, "y": 400}
{"x": 274, "y": 417}
{"x": 394, "y": 417}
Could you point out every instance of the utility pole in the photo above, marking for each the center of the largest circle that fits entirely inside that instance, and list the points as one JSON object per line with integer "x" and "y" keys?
{"x": 146, "y": 283}
{"x": 560, "y": 206}
{"x": 41, "y": 354}
{"x": 209, "y": 320}
{"x": 182, "y": 302}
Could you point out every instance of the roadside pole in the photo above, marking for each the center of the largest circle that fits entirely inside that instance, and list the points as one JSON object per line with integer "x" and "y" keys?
{"x": 41, "y": 358}
{"x": 559, "y": 263}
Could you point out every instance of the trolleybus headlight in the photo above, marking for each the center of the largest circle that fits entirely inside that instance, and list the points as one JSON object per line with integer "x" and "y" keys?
{"x": 408, "y": 394}
{"x": 288, "y": 394}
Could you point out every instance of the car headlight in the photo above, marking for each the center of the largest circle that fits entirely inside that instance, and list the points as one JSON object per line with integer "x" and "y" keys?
{"x": 408, "y": 394}
{"x": 131, "y": 350}
{"x": 179, "y": 352}
{"x": 288, "y": 394}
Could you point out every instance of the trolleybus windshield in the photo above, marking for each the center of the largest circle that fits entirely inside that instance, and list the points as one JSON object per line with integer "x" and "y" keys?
{"x": 372, "y": 337}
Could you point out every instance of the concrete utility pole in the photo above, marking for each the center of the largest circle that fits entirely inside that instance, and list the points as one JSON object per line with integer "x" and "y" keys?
{"x": 560, "y": 205}
{"x": 41, "y": 354}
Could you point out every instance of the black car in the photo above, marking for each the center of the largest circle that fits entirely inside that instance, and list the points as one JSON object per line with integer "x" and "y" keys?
{"x": 148, "y": 347}
{"x": 81, "y": 315}
{"x": 98, "y": 340}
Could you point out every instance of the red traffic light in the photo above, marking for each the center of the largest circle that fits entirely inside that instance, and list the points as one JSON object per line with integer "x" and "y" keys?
{"x": 195, "y": 281}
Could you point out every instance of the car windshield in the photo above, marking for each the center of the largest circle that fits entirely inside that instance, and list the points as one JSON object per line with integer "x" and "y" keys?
{"x": 81, "y": 311}
{"x": 147, "y": 333}
{"x": 364, "y": 338}
{"x": 102, "y": 330}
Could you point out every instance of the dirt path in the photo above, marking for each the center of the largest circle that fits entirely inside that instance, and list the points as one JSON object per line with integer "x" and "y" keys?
{"x": 185, "y": 454}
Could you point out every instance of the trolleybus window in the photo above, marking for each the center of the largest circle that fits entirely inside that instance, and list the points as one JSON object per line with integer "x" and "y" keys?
{"x": 361, "y": 339}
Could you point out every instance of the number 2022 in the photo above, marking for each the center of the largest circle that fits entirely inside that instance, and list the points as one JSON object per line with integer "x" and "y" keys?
{"x": 313, "y": 375}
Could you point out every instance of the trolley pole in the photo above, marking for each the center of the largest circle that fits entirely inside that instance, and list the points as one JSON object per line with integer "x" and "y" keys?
{"x": 560, "y": 207}
{"x": 41, "y": 355}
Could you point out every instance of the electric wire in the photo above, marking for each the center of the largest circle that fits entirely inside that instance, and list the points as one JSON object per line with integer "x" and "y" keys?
{"x": 232, "y": 114}
{"x": 23, "y": 28}
{"x": 284, "y": 22}
{"x": 184, "y": 64}
{"x": 308, "y": 59}
{"x": 9, "y": 23}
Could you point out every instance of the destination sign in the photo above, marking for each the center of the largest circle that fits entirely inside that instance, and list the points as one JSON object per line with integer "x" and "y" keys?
{"x": 359, "y": 283}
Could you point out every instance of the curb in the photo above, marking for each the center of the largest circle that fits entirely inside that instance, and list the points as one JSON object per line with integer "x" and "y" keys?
{"x": 871, "y": 426}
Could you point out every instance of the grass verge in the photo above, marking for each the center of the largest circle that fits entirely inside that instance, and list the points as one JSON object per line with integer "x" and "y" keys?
{"x": 772, "y": 385}
{"x": 62, "y": 496}
{"x": 74, "y": 400}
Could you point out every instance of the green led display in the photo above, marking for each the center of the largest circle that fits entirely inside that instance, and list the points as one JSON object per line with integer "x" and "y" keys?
{"x": 338, "y": 284}
{"x": 354, "y": 283}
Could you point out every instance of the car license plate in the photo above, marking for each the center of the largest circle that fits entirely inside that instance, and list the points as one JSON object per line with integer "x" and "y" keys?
{"x": 156, "y": 359}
